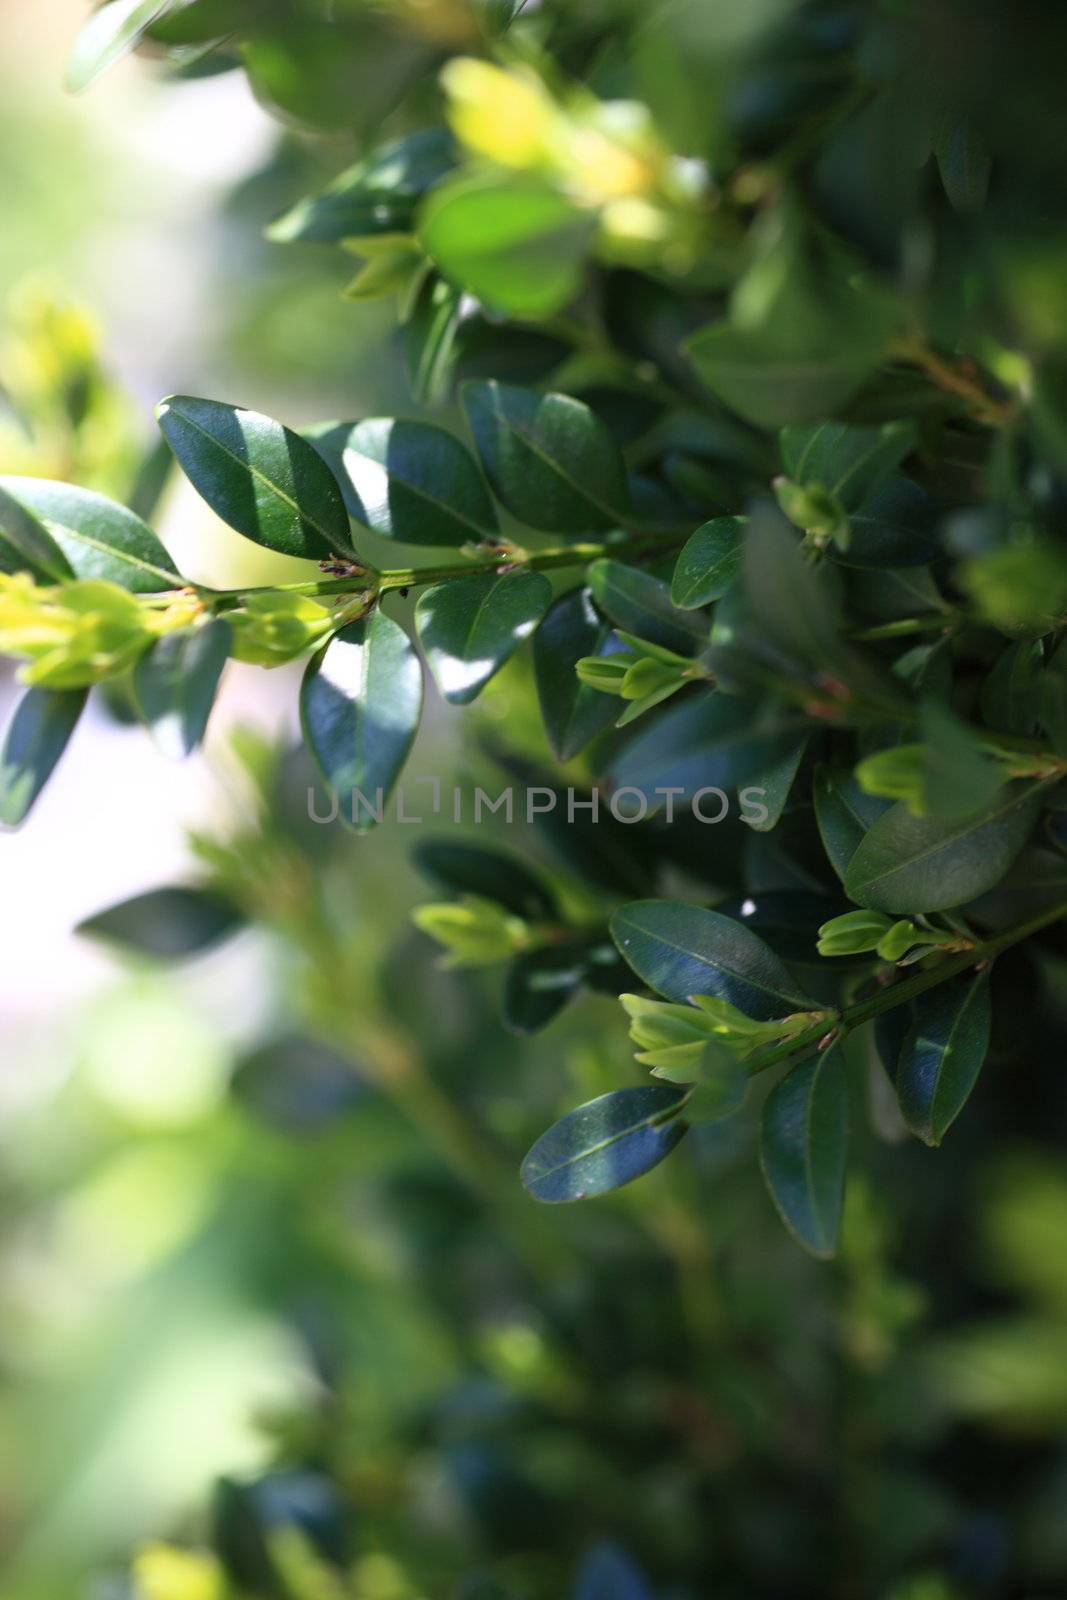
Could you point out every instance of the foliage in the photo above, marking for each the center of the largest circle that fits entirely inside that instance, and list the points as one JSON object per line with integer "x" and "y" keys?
{"x": 742, "y": 334}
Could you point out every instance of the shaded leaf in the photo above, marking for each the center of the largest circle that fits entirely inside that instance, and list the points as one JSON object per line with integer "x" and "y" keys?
{"x": 410, "y": 481}
{"x": 175, "y": 681}
{"x": 26, "y": 544}
{"x": 573, "y": 713}
{"x": 942, "y": 1054}
{"x": 259, "y": 476}
{"x": 168, "y": 924}
{"x": 682, "y": 950}
{"x": 36, "y": 737}
{"x": 470, "y": 626}
{"x": 539, "y": 983}
{"x": 549, "y": 458}
{"x": 803, "y": 1145}
{"x": 98, "y": 537}
{"x": 360, "y": 704}
{"x": 708, "y": 562}
{"x": 642, "y": 605}
{"x": 490, "y": 874}
{"x": 844, "y": 813}
{"x": 604, "y": 1144}
{"x": 376, "y": 196}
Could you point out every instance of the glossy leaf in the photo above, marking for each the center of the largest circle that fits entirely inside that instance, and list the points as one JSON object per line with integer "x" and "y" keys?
{"x": 98, "y": 537}
{"x": 803, "y": 1146}
{"x": 708, "y": 562}
{"x": 470, "y": 626}
{"x": 260, "y": 477}
{"x": 110, "y": 33}
{"x": 682, "y": 950}
{"x": 36, "y": 736}
{"x": 910, "y": 864}
{"x": 539, "y": 984}
{"x": 549, "y": 458}
{"x": 169, "y": 924}
{"x": 852, "y": 463}
{"x": 26, "y": 544}
{"x": 641, "y": 604}
{"x": 516, "y": 246}
{"x": 411, "y": 482}
{"x": 844, "y": 813}
{"x": 942, "y": 1054}
{"x": 360, "y": 703}
{"x": 490, "y": 874}
{"x": 175, "y": 682}
{"x": 604, "y": 1144}
{"x": 376, "y": 196}
{"x": 573, "y": 713}
{"x": 709, "y": 743}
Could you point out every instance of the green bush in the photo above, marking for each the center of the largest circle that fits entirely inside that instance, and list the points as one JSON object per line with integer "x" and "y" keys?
{"x": 743, "y": 333}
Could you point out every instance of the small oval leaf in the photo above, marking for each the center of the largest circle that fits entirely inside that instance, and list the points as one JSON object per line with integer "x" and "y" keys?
{"x": 803, "y": 1144}
{"x": 169, "y": 924}
{"x": 360, "y": 703}
{"x": 493, "y": 875}
{"x": 604, "y": 1144}
{"x": 26, "y": 544}
{"x": 549, "y": 458}
{"x": 708, "y": 562}
{"x": 409, "y": 481}
{"x": 681, "y": 950}
{"x": 641, "y": 604}
{"x": 36, "y": 737}
{"x": 942, "y": 1054}
{"x": 470, "y": 626}
{"x": 174, "y": 684}
{"x": 572, "y": 712}
{"x": 98, "y": 537}
{"x": 259, "y": 476}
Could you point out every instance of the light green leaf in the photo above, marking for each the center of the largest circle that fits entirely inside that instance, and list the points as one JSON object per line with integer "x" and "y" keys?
{"x": 98, "y": 537}
{"x": 110, "y": 33}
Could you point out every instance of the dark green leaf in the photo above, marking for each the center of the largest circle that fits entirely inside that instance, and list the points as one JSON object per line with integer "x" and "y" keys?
{"x": 36, "y": 737}
{"x": 296, "y": 1084}
{"x": 515, "y": 245}
{"x": 844, "y": 813}
{"x": 490, "y": 874}
{"x": 894, "y": 527}
{"x": 549, "y": 458}
{"x": 852, "y": 463}
{"x": 708, "y": 563}
{"x": 470, "y": 626}
{"x": 641, "y": 604}
{"x": 803, "y": 1145}
{"x": 682, "y": 950}
{"x": 773, "y": 783}
{"x": 1011, "y": 694}
{"x": 791, "y": 602}
{"x": 168, "y": 924}
{"x": 109, "y": 34}
{"x": 174, "y": 684}
{"x": 607, "y": 1573}
{"x": 942, "y": 1054}
{"x": 605, "y": 1144}
{"x": 260, "y": 477}
{"x": 711, "y": 742}
{"x": 360, "y": 703}
{"x": 964, "y": 164}
{"x": 376, "y": 196}
{"x": 573, "y": 713}
{"x": 430, "y": 338}
{"x": 411, "y": 482}
{"x": 960, "y": 779}
{"x": 26, "y": 544}
{"x": 98, "y": 537}
{"x": 539, "y": 984}
{"x": 910, "y": 864}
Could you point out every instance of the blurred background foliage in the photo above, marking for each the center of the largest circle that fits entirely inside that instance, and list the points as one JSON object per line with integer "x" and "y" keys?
{"x": 275, "y": 1317}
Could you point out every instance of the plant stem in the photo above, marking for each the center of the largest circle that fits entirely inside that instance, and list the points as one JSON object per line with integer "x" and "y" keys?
{"x": 955, "y": 377}
{"x": 935, "y": 622}
{"x": 896, "y": 994}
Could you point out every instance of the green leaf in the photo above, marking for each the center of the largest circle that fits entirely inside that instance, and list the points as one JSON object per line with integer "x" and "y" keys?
{"x": 708, "y": 562}
{"x": 470, "y": 626}
{"x": 896, "y": 526}
{"x": 174, "y": 684}
{"x": 430, "y": 339}
{"x": 642, "y": 605}
{"x": 791, "y": 601}
{"x": 36, "y": 737}
{"x": 489, "y": 874}
{"x": 964, "y": 164}
{"x": 682, "y": 950}
{"x": 376, "y": 196}
{"x": 711, "y": 742}
{"x": 98, "y": 537}
{"x": 942, "y": 1054}
{"x": 803, "y": 1146}
{"x": 852, "y": 463}
{"x": 516, "y": 245}
{"x": 774, "y": 782}
{"x": 573, "y": 713}
{"x": 360, "y": 703}
{"x": 960, "y": 779}
{"x": 1011, "y": 694}
{"x": 109, "y": 34}
{"x": 844, "y": 812}
{"x": 548, "y": 457}
{"x": 169, "y": 924}
{"x": 539, "y": 984}
{"x": 260, "y": 477}
{"x": 26, "y": 544}
{"x": 605, "y": 1144}
{"x": 410, "y": 481}
{"x": 911, "y": 864}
